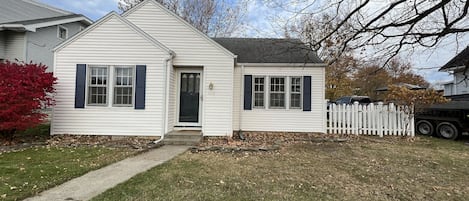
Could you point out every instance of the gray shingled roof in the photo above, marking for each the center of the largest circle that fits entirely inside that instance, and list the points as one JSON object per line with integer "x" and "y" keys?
{"x": 262, "y": 50}
{"x": 459, "y": 60}
{"x": 24, "y": 10}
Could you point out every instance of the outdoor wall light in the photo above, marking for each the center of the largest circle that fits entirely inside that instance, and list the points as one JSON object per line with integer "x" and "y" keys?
{"x": 210, "y": 86}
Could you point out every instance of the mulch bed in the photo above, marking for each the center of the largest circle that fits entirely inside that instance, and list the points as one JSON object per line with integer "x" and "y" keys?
{"x": 264, "y": 141}
{"x": 23, "y": 142}
{"x": 107, "y": 141}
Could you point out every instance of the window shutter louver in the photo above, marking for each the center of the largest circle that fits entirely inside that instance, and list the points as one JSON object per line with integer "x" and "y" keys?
{"x": 247, "y": 92}
{"x": 140, "y": 82}
{"x": 307, "y": 93}
{"x": 80, "y": 84}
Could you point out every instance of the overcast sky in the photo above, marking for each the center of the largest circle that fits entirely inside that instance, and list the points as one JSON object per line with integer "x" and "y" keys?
{"x": 259, "y": 25}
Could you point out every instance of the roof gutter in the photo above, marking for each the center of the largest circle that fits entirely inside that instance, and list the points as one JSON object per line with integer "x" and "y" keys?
{"x": 452, "y": 68}
{"x": 14, "y": 27}
{"x": 33, "y": 27}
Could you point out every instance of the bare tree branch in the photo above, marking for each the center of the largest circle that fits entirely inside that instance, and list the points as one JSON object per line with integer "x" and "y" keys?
{"x": 382, "y": 29}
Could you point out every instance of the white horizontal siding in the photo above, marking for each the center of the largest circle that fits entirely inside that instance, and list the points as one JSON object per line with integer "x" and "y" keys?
{"x": 192, "y": 49}
{"x": 15, "y": 43}
{"x": 290, "y": 120}
{"x": 461, "y": 84}
{"x": 172, "y": 99}
{"x": 40, "y": 44}
{"x": 111, "y": 43}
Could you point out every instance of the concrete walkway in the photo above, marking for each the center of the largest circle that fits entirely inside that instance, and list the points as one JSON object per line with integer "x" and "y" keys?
{"x": 98, "y": 181}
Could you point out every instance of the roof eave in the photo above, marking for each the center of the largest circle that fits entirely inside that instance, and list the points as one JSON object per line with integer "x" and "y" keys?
{"x": 453, "y": 68}
{"x": 282, "y": 64}
{"x": 33, "y": 27}
{"x": 14, "y": 27}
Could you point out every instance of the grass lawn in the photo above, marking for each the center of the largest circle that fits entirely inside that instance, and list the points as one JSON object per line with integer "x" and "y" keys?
{"x": 369, "y": 168}
{"x": 27, "y": 172}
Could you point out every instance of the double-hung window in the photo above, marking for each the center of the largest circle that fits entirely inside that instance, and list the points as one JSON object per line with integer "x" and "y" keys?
{"x": 277, "y": 92}
{"x": 120, "y": 91}
{"x": 295, "y": 92}
{"x": 97, "y": 86}
{"x": 123, "y": 86}
{"x": 259, "y": 92}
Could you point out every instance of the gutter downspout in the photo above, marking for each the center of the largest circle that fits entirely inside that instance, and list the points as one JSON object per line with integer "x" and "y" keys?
{"x": 240, "y": 133}
{"x": 168, "y": 63}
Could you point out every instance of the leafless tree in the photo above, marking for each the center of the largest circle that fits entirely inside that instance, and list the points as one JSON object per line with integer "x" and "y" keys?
{"x": 217, "y": 18}
{"x": 383, "y": 28}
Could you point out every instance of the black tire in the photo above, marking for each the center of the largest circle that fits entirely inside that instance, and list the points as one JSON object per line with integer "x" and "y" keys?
{"x": 447, "y": 130}
{"x": 424, "y": 127}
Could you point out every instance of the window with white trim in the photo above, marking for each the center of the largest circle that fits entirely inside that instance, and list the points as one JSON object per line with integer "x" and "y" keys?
{"x": 111, "y": 84}
{"x": 123, "y": 86}
{"x": 295, "y": 92}
{"x": 62, "y": 32}
{"x": 277, "y": 92}
{"x": 97, "y": 85}
{"x": 259, "y": 92}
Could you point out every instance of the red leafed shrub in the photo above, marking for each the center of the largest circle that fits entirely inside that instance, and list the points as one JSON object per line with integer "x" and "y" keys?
{"x": 24, "y": 90}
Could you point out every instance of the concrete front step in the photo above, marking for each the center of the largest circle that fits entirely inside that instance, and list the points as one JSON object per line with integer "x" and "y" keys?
{"x": 183, "y": 138}
{"x": 181, "y": 141}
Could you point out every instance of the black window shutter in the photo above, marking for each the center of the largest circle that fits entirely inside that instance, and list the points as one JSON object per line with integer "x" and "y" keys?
{"x": 140, "y": 82}
{"x": 80, "y": 84}
{"x": 307, "y": 93}
{"x": 247, "y": 92}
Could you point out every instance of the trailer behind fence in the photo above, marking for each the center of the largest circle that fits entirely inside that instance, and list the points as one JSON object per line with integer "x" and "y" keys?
{"x": 371, "y": 119}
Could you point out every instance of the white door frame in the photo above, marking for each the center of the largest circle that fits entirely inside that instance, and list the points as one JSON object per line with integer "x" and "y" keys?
{"x": 179, "y": 71}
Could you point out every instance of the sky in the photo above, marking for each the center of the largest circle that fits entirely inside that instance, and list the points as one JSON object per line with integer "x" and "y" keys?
{"x": 259, "y": 18}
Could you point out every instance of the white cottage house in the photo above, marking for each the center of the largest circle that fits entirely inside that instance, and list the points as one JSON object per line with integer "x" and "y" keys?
{"x": 148, "y": 72}
{"x": 458, "y": 88}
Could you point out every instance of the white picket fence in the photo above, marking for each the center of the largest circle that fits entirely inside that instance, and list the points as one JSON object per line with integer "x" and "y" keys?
{"x": 372, "y": 119}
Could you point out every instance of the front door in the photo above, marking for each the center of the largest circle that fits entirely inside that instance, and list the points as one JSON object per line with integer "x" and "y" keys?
{"x": 189, "y": 96}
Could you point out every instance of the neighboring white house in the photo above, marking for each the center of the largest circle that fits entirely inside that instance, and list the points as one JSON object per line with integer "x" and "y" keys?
{"x": 148, "y": 72}
{"x": 30, "y": 30}
{"x": 458, "y": 89}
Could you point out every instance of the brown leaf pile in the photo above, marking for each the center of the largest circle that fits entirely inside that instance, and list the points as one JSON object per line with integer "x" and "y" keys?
{"x": 108, "y": 141}
{"x": 269, "y": 139}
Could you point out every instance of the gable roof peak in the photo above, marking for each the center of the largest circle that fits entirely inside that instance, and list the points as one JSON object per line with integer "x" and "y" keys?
{"x": 460, "y": 60}
{"x": 105, "y": 19}
{"x": 187, "y": 24}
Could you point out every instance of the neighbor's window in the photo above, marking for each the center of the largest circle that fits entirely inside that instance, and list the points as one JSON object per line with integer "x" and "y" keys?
{"x": 62, "y": 32}
{"x": 97, "y": 88}
{"x": 123, "y": 86}
{"x": 259, "y": 85}
{"x": 295, "y": 92}
{"x": 277, "y": 92}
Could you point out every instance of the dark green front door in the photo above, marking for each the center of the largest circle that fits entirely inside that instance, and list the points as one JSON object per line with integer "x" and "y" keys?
{"x": 189, "y": 98}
